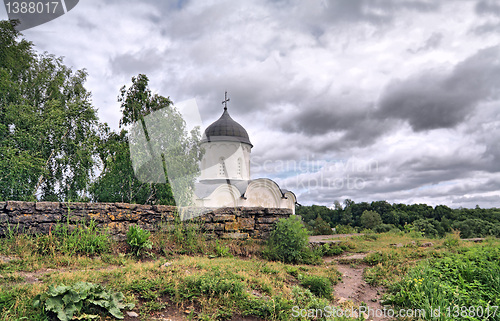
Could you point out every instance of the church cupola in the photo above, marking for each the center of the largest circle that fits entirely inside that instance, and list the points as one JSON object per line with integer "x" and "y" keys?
{"x": 226, "y": 129}
{"x": 227, "y": 149}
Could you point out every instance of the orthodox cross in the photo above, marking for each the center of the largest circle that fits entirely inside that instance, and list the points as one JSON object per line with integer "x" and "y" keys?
{"x": 225, "y": 101}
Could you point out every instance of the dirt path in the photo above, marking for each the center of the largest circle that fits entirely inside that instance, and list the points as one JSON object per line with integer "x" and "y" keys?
{"x": 353, "y": 287}
{"x": 332, "y": 238}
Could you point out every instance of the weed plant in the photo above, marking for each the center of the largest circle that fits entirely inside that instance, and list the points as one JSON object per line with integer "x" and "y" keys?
{"x": 138, "y": 240}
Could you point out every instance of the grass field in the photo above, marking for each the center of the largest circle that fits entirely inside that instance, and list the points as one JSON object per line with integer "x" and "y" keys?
{"x": 189, "y": 277}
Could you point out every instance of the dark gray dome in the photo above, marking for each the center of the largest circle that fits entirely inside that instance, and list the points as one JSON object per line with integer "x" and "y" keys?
{"x": 224, "y": 129}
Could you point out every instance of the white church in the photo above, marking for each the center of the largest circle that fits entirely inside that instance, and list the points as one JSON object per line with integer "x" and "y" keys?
{"x": 225, "y": 171}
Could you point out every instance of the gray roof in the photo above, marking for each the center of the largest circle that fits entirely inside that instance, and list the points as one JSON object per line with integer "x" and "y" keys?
{"x": 224, "y": 129}
{"x": 206, "y": 187}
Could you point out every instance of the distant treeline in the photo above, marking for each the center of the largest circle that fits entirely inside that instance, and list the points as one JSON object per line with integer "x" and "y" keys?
{"x": 380, "y": 216}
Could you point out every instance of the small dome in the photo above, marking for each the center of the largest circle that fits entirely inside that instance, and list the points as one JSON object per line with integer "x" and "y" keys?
{"x": 224, "y": 129}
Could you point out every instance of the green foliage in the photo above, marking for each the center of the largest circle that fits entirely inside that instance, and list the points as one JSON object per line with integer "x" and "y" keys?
{"x": 431, "y": 222}
{"x": 345, "y": 229}
{"x": 452, "y": 241}
{"x": 48, "y": 127}
{"x": 474, "y": 227}
{"x": 212, "y": 285}
{"x": 82, "y": 239}
{"x": 383, "y": 228}
{"x": 330, "y": 249}
{"x": 222, "y": 250}
{"x": 428, "y": 227}
{"x": 319, "y": 285}
{"x": 52, "y": 144}
{"x": 468, "y": 279}
{"x": 320, "y": 227}
{"x": 375, "y": 258}
{"x": 187, "y": 235}
{"x": 288, "y": 242}
{"x": 118, "y": 182}
{"x": 165, "y": 135}
{"x": 68, "y": 302}
{"x": 138, "y": 239}
{"x": 370, "y": 219}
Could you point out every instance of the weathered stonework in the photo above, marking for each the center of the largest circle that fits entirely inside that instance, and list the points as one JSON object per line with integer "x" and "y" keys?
{"x": 228, "y": 222}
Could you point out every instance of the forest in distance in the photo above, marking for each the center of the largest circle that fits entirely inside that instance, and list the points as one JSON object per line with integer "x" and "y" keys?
{"x": 381, "y": 216}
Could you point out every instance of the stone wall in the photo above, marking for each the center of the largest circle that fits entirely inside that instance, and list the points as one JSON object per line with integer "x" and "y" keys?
{"x": 41, "y": 217}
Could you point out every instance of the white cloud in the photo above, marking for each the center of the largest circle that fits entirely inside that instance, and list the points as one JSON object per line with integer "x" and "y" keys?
{"x": 307, "y": 79}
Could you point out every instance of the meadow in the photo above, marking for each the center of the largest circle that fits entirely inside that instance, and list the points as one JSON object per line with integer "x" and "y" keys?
{"x": 178, "y": 273}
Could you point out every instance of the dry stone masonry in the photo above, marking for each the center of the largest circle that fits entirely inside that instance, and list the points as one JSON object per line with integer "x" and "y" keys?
{"x": 228, "y": 222}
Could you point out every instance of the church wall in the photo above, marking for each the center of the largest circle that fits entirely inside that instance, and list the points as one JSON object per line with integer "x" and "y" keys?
{"x": 227, "y": 222}
{"x": 235, "y": 156}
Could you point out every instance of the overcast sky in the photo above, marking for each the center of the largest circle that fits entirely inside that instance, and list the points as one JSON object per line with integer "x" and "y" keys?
{"x": 368, "y": 100}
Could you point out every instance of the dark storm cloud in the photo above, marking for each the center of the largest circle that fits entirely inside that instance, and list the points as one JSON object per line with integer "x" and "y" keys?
{"x": 472, "y": 201}
{"x": 316, "y": 121}
{"x": 486, "y": 28}
{"x": 443, "y": 100}
{"x": 165, "y": 5}
{"x": 318, "y": 117}
{"x": 488, "y": 8}
{"x": 354, "y": 11}
{"x": 488, "y": 186}
{"x": 373, "y": 11}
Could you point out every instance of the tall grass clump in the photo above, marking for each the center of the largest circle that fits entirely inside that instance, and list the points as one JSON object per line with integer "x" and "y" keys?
{"x": 319, "y": 285}
{"x": 87, "y": 239}
{"x": 138, "y": 239}
{"x": 288, "y": 243}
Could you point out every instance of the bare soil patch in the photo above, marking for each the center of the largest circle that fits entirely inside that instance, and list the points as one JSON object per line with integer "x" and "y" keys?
{"x": 353, "y": 287}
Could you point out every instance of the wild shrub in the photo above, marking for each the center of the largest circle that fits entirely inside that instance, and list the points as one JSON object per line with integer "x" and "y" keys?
{"x": 305, "y": 299}
{"x": 288, "y": 242}
{"x": 375, "y": 275}
{"x": 383, "y": 228}
{"x": 452, "y": 241}
{"x": 320, "y": 227}
{"x": 331, "y": 249}
{"x": 345, "y": 229}
{"x": 375, "y": 258}
{"x": 138, "y": 239}
{"x": 319, "y": 285}
{"x": 222, "y": 250}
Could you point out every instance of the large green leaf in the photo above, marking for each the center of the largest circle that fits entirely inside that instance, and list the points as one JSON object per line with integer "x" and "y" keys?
{"x": 59, "y": 290}
{"x": 71, "y": 297}
{"x": 69, "y": 301}
{"x": 54, "y": 304}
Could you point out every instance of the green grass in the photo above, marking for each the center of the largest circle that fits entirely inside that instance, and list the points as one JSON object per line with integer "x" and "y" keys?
{"x": 469, "y": 278}
{"x": 220, "y": 279}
